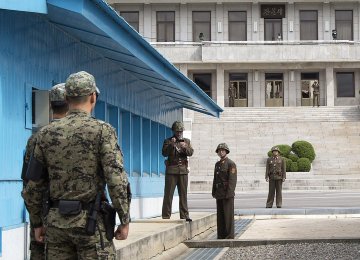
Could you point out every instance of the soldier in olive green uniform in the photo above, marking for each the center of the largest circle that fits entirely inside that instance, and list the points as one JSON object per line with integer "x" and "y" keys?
{"x": 176, "y": 149}
{"x": 224, "y": 184}
{"x": 75, "y": 157}
{"x": 232, "y": 92}
{"x": 275, "y": 175}
{"x": 59, "y": 107}
{"x": 316, "y": 93}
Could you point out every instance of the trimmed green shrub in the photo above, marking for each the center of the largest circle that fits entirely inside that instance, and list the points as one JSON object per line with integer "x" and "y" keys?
{"x": 284, "y": 150}
{"x": 304, "y": 149}
{"x": 304, "y": 165}
{"x": 293, "y": 157}
{"x": 287, "y": 163}
{"x": 294, "y": 167}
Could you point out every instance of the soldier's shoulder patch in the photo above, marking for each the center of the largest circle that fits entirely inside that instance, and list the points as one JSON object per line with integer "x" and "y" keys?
{"x": 233, "y": 170}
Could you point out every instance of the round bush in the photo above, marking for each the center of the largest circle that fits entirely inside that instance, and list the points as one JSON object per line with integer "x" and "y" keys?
{"x": 288, "y": 164}
{"x": 294, "y": 167}
{"x": 293, "y": 157}
{"x": 304, "y": 149}
{"x": 284, "y": 150}
{"x": 304, "y": 165}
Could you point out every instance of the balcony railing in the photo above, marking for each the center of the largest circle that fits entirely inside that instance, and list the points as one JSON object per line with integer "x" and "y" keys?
{"x": 260, "y": 51}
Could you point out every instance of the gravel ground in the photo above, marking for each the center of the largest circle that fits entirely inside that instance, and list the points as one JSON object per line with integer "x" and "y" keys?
{"x": 308, "y": 251}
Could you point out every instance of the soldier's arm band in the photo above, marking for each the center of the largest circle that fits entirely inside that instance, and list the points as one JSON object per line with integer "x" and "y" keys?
{"x": 36, "y": 170}
{"x": 24, "y": 169}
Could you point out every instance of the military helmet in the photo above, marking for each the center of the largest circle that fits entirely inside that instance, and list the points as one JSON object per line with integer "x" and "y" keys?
{"x": 57, "y": 93}
{"x": 80, "y": 84}
{"x": 223, "y": 146}
{"x": 275, "y": 148}
{"x": 177, "y": 126}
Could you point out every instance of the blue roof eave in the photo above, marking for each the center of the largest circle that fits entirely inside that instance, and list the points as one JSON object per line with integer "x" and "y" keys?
{"x": 98, "y": 13}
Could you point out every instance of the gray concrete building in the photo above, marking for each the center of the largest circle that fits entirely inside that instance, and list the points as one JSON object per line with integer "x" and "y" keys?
{"x": 271, "y": 52}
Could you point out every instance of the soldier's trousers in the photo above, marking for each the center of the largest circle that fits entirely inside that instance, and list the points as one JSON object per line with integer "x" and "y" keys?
{"x": 275, "y": 186}
{"x": 316, "y": 100}
{"x": 171, "y": 182}
{"x": 74, "y": 243}
{"x": 225, "y": 218}
{"x": 37, "y": 250}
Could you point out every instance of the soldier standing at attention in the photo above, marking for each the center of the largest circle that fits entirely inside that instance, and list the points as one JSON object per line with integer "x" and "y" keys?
{"x": 75, "y": 157}
{"x": 316, "y": 93}
{"x": 176, "y": 149}
{"x": 231, "y": 95}
{"x": 224, "y": 184}
{"x": 59, "y": 108}
{"x": 275, "y": 175}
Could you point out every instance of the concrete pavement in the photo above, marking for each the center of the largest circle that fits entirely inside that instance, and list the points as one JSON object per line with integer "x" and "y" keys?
{"x": 169, "y": 239}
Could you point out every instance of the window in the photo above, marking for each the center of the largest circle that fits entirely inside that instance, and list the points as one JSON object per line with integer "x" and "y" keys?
{"x": 40, "y": 107}
{"x": 165, "y": 26}
{"x": 201, "y": 26}
{"x": 237, "y": 26}
{"x": 131, "y": 18}
{"x": 344, "y": 25}
{"x": 204, "y": 82}
{"x": 308, "y": 25}
{"x": 345, "y": 84}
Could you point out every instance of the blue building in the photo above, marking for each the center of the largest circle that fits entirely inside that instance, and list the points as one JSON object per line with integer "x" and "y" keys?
{"x": 42, "y": 42}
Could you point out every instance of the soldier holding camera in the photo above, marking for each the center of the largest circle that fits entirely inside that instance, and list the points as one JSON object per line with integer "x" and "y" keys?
{"x": 176, "y": 149}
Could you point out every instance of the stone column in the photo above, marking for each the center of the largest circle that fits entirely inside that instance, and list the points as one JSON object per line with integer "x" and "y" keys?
{"x": 330, "y": 87}
{"x": 256, "y": 89}
{"x": 255, "y": 9}
{"x": 183, "y": 22}
{"x": 291, "y": 22}
{"x": 219, "y": 22}
{"x": 147, "y": 23}
{"x": 328, "y": 24}
{"x": 220, "y": 86}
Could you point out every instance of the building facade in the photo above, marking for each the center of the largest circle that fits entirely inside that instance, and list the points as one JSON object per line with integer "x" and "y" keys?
{"x": 271, "y": 52}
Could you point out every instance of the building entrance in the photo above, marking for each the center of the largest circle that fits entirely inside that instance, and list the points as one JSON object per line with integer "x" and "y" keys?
{"x": 274, "y": 90}
{"x": 238, "y": 90}
{"x": 307, "y": 88}
{"x": 273, "y": 29}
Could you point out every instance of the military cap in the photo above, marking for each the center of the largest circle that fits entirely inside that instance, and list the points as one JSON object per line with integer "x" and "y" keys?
{"x": 80, "y": 84}
{"x": 57, "y": 93}
{"x": 223, "y": 146}
{"x": 275, "y": 148}
{"x": 177, "y": 126}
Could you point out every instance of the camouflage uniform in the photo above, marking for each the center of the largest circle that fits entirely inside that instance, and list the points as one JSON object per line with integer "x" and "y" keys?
{"x": 276, "y": 173}
{"x": 223, "y": 190}
{"x": 176, "y": 172}
{"x": 81, "y": 155}
{"x": 57, "y": 94}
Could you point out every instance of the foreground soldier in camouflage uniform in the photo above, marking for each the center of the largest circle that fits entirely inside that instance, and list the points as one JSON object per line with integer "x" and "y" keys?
{"x": 176, "y": 149}
{"x": 275, "y": 174}
{"x": 224, "y": 184}
{"x": 59, "y": 107}
{"x": 77, "y": 156}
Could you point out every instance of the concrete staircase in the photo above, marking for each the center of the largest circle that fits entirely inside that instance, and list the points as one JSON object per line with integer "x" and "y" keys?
{"x": 251, "y": 132}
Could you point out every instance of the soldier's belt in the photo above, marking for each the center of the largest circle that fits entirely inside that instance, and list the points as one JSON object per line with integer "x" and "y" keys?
{"x": 70, "y": 207}
{"x": 178, "y": 163}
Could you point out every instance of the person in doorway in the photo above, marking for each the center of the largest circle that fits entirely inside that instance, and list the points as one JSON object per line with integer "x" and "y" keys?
{"x": 232, "y": 95}
{"x": 223, "y": 190}
{"x": 316, "y": 93}
{"x": 275, "y": 174}
{"x": 59, "y": 108}
{"x": 176, "y": 149}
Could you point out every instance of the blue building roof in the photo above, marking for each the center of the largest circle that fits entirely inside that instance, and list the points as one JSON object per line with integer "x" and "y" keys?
{"x": 97, "y": 25}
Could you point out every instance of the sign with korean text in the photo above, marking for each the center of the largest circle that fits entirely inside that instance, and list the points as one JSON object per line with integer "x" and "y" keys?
{"x": 273, "y": 11}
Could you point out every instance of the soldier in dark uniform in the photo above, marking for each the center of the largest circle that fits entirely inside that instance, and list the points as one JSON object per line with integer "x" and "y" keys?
{"x": 316, "y": 93}
{"x": 176, "y": 149}
{"x": 75, "y": 158}
{"x": 231, "y": 95}
{"x": 59, "y": 107}
{"x": 275, "y": 175}
{"x": 225, "y": 177}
